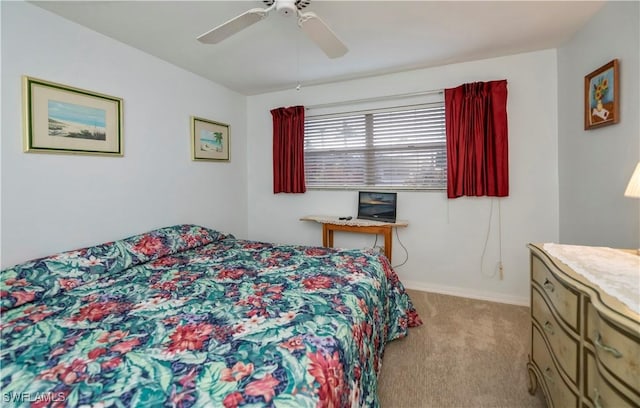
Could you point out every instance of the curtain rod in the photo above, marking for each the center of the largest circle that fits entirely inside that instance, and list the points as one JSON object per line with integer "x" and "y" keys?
{"x": 375, "y": 99}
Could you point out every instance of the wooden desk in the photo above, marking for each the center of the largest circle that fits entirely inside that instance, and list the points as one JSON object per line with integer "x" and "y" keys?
{"x": 331, "y": 224}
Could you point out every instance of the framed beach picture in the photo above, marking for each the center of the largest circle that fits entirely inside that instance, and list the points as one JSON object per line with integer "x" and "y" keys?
{"x": 209, "y": 140}
{"x": 62, "y": 119}
{"x": 602, "y": 96}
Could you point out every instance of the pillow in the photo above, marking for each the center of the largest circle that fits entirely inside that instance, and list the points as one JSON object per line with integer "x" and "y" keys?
{"x": 46, "y": 277}
{"x": 166, "y": 241}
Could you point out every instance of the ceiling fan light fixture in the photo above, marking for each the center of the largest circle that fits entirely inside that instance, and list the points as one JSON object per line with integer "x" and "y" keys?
{"x": 300, "y": 4}
{"x": 286, "y": 7}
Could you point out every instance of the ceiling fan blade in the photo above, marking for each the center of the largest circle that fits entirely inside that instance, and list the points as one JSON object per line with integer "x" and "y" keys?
{"x": 321, "y": 34}
{"x": 233, "y": 26}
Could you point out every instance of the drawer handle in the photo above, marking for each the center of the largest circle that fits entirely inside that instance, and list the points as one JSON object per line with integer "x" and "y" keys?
{"x": 547, "y": 375}
{"x": 549, "y": 327}
{"x": 548, "y": 285}
{"x": 604, "y": 347}
{"x": 596, "y": 398}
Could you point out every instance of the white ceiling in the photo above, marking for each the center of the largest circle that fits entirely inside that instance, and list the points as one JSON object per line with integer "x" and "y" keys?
{"x": 382, "y": 36}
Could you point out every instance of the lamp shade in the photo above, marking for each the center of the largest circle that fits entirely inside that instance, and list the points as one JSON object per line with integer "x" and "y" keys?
{"x": 633, "y": 188}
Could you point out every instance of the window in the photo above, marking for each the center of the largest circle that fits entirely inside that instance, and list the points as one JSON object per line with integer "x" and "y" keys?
{"x": 402, "y": 148}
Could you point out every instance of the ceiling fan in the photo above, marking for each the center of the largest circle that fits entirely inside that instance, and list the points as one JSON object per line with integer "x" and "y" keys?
{"x": 309, "y": 22}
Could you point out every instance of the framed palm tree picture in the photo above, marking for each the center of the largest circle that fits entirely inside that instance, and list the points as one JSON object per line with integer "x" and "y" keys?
{"x": 209, "y": 140}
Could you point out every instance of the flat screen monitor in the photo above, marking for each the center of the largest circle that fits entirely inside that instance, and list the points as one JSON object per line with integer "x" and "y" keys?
{"x": 377, "y": 206}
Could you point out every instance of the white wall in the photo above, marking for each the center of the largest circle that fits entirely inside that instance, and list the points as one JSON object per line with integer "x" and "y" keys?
{"x": 445, "y": 237}
{"x": 595, "y": 165}
{"x": 52, "y": 202}
{"x": 56, "y": 202}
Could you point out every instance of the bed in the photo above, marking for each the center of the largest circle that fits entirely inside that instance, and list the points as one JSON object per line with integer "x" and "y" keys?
{"x": 187, "y": 316}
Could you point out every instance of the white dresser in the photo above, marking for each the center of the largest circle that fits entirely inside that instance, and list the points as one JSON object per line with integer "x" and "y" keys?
{"x": 585, "y": 343}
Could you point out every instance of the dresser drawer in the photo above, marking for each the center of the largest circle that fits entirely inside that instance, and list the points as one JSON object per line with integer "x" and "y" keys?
{"x": 602, "y": 393}
{"x": 616, "y": 350}
{"x": 560, "y": 394}
{"x": 563, "y": 300}
{"x": 563, "y": 347}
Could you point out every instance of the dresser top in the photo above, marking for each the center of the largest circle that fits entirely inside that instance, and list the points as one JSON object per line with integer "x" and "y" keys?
{"x": 612, "y": 274}
{"x": 615, "y": 271}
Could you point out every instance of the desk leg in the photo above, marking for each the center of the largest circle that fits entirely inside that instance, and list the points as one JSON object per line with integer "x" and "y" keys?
{"x": 330, "y": 238}
{"x": 325, "y": 231}
{"x": 387, "y": 243}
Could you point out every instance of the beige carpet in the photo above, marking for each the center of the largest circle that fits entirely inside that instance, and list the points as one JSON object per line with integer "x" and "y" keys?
{"x": 468, "y": 353}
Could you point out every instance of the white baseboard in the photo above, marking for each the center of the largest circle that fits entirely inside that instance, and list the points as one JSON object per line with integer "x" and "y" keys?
{"x": 467, "y": 293}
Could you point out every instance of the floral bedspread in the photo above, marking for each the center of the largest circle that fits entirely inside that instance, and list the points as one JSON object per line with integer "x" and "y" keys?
{"x": 187, "y": 316}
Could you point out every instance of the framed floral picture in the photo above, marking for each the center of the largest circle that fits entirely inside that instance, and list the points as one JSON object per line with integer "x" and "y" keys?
{"x": 209, "y": 140}
{"x": 602, "y": 96}
{"x": 63, "y": 119}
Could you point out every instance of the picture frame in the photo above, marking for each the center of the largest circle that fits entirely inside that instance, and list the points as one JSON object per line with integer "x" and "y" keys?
{"x": 210, "y": 140}
{"x": 602, "y": 96}
{"x": 63, "y": 119}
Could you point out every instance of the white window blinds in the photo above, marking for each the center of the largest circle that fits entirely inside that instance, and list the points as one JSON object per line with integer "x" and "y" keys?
{"x": 395, "y": 148}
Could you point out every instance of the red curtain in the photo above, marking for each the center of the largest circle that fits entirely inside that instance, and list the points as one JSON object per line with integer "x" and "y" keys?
{"x": 288, "y": 150}
{"x": 477, "y": 147}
